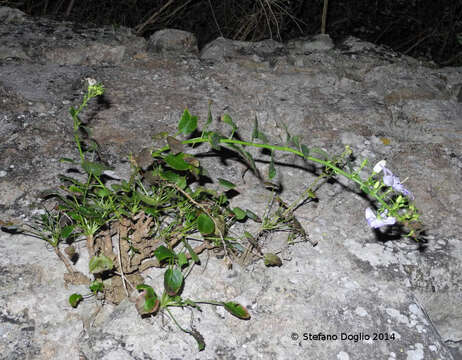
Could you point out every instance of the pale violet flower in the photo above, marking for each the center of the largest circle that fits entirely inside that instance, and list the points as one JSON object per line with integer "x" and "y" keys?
{"x": 376, "y": 222}
{"x": 391, "y": 180}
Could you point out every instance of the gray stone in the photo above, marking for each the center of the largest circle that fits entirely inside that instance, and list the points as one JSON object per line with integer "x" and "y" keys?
{"x": 222, "y": 49}
{"x": 11, "y": 16}
{"x": 320, "y": 42}
{"x": 173, "y": 40}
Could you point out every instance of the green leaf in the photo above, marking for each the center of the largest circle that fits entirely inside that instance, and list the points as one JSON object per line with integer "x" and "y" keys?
{"x": 205, "y": 224}
{"x": 257, "y": 134}
{"x": 209, "y": 115}
{"x": 240, "y": 214}
{"x": 148, "y": 289}
{"x": 162, "y": 253}
{"x": 93, "y": 168}
{"x": 173, "y": 280}
{"x": 237, "y": 310}
{"x": 253, "y": 216}
{"x": 148, "y": 302}
{"x": 227, "y": 120}
{"x": 99, "y": 264}
{"x": 63, "y": 159}
{"x": 103, "y": 192}
{"x": 73, "y": 111}
{"x": 191, "y": 252}
{"x": 187, "y": 123}
{"x": 176, "y": 162}
{"x": 305, "y": 150}
{"x": 175, "y": 145}
{"x": 255, "y": 129}
{"x": 272, "y": 169}
{"x": 96, "y": 286}
{"x": 74, "y": 300}
{"x": 151, "y": 304}
{"x": 227, "y": 184}
{"x": 312, "y": 194}
{"x": 250, "y": 161}
{"x": 296, "y": 141}
{"x": 66, "y": 231}
{"x": 75, "y": 189}
{"x": 270, "y": 259}
{"x": 175, "y": 178}
{"x": 146, "y": 199}
{"x": 182, "y": 259}
{"x": 214, "y": 140}
{"x": 246, "y": 156}
{"x": 324, "y": 154}
{"x": 199, "y": 339}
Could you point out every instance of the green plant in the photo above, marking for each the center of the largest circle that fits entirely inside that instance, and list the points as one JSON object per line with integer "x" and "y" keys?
{"x": 157, "y": 219}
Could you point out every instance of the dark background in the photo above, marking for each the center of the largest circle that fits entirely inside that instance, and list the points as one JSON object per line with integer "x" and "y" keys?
{"x": 425, "y": 29}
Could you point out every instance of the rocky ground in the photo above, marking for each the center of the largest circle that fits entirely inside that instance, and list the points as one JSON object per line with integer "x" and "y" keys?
{"x": 353, "y": 286}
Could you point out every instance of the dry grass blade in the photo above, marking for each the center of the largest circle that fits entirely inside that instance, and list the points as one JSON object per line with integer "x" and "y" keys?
{"x": 139, "y": 28}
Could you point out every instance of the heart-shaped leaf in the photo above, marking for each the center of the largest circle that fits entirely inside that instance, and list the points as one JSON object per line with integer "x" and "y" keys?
{"x": 240, "y": 214}
{"x": 74, "y": 299}
{"x": 237, "y": 310}
{"x": 188, "y": 123}
{"x": 173, "y": 280}
{"x": 96, "y": 286}
{"x": 147, "y": 302}
{"x": 162, "y": 253}
{"x": 205, "y": 224}
{"x": 148, "y": 289}
{"x": 227, "y": 120}
{"x": 99, "y": 264}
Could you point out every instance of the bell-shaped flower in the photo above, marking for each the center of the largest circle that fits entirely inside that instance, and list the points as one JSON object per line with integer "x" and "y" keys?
{"x": 391, "y": 180}
{"x": 376, "y": 222}
{"x": 379, "y": 166}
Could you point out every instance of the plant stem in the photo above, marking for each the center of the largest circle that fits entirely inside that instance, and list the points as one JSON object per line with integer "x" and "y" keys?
{"x": 325, "y": 163}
